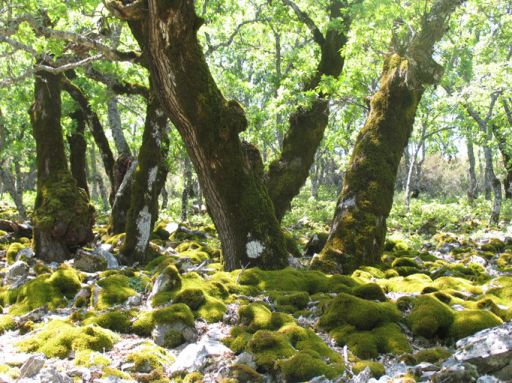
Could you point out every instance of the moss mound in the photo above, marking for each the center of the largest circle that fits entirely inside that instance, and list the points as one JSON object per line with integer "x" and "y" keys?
{"x": 468, "y": 322}
{"x": 370, "y": 291}
{"x": 430, "y": 317}
{"x": 59, "y": 338}
{"x": 305, "y": 365}
{"x": 52, "y": 290}
{"x": 361, "y": 313}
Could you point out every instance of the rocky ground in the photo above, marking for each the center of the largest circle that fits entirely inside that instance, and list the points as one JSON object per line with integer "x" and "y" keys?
{"x": 439, "y": 313}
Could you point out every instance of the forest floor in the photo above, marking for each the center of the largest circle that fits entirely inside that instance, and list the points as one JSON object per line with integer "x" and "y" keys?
{"x": 445, "y": 276}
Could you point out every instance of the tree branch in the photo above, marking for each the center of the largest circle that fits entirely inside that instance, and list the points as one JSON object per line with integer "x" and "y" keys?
{"x": 304, "y": 17}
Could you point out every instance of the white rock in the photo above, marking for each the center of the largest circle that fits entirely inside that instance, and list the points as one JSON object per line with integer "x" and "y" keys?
{"x": 32, "y": 366}
{"x": 195, "y": 355}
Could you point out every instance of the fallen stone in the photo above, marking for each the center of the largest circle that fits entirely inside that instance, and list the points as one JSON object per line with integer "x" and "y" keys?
{"x": 32, "y": 366}
{"x": 17, "y": 271}
{"x": 160, "y": 333}
{"x": 195, "y": 355}
{"x": 104, "y": 252}
{"x": 90, "y": 262}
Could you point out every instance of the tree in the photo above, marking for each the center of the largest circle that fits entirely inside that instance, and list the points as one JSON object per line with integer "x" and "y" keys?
{"x": 63, "y": 217}
{"x": 230, "y": 170}
{"x": 359, "y": 226}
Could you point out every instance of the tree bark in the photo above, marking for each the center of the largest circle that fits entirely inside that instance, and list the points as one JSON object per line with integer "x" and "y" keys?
{"x": 359, "y": 226}
{"x": 63, "y": 217}
{"x": 289, "y": 172}
{"x": 77, "y": 151}
{"x": 96, "y": 129}
{"x": 187, "y": 188}
{"x": 229, "y": 170}
{"x": 124, "y": 169}
{"x": 490, "y": 177}
{"x": 114, "y": 121}
{"x": 148, "y": 179}
{"x": 473, "y": 189}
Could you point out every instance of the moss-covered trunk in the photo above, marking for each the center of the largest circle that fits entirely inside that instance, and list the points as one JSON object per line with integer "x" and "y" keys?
{"x": 77, "y": 151}
{"x": 359, "y": 226}
{"x": 125, "y": 167}
{"x": 289, "y": 172}
{"x": 63, "y": 217}
{"x": 148, "y": 179}
{"x": 230, "y": 171}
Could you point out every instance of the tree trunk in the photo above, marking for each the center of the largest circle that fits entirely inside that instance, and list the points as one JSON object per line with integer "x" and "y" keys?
{"x": 473, "y": 189}
{"x": 114, "y": 121}
{"x": 148, "y": 180}
{"x": 63, "y": 217}
{"x": 96, "y": 129}
{"x": 289, "y": 172}
{"x": 506, "y": 157}
{"x": 77, "y": 151}
{"x": 187, "y": 188}
{"x": 230, "y": 171}
{"x": 14, "y": 191}
{"x": 359, "y": 226}
{"x": 122, "y": 200}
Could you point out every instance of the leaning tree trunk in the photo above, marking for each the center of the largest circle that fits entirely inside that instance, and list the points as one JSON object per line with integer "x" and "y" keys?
{"x": 495, "y": 184}
{"x": 77, "y": 151}
{"x": 148, "y": 180}
{"x": 14, "y": 190}
{"x": 230, "y": 171}
{"x": 359, "y": 227}
{"x": 288, "y": 173}
{"x": 63, "y": 217}
{"x": 506, "y": 156}
{"x": 123, "y": 197}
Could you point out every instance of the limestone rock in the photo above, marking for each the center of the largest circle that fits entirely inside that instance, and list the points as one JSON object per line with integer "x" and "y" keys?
{"x": 17, "y": 271}
{"x": 490, "y": 350}
{"x": 90, "y": 262}
{"x": 32, "y": 366}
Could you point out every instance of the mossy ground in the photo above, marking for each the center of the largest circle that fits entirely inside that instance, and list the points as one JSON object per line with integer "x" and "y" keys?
{"x": 288, "y": 320}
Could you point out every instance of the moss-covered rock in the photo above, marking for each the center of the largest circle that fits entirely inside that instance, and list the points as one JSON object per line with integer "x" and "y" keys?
{"x": 58, "y": 338}
{"x": 268, "y": 347}
{"x": 430, "y": 317}
{"x": 468, "y": 322}
{"x": 147, "y": 358}
{"x": 431, "y": 355}
{"x": 7, "y": 323}
{"x": 116, "y": 288}
{"x": 192, "y": 297}
{"x": 13, "y": 250}
{"x": 305, "y": 365}
{"x": 370, "y": 291}
{"x": 361, "y": 313}
{"x": 242, "y": 373}
{"x": 118, "y": 321}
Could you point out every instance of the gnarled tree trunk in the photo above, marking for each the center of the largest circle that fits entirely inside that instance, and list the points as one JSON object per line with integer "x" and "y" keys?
{"x": 63, "y": 217}
{"x": 230, "y": 171}
{"x": 359, "y": 226}
{"x": 289, "y": 172}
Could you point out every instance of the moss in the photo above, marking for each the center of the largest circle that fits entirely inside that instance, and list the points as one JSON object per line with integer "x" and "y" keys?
{"x": 298, "y": 300}
{"x": 430, "y": 317}
{"x": 193, "y": 377}
{"x": 432, "y": 355}
{"x": 174, "y": 313}
{"x": 291, "y": 244}
{"x": 404, "y": 261}
{"x": 370, "y": 291}
{"x": 115, "y": 289}
{"x": 144, "y": 324}
{"x": 305, "y": 365}
{"x": 288, "y": 279}
{"x": 41, "y": 268}
{"x": 108, "y": 371}
{"x": 255, "y": 316}
{"x": 45, "y": 290}
{"x": 193, "y": 298}
{"x": 377, "y": 369}
{"x": 458, "y": 284}
{"x": 59, "y": 338}
{"x": 13, "y": 250}
{"x": 67, "y": 280}
{"x": 468, "y": 322}
{"x": 361, "y": 313}
{"x": 119, "y": 321}
{"x": 243, "y": 373}
{"x": 7, "y": 323}
{"x": 414, "y": 283}
{"x": 147, "y": 358}
{"x": 391, "y": 340}
{"x": 268, "y": 347}
{"x": 238, "y": 339}
{"x": 89, "y": 358}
